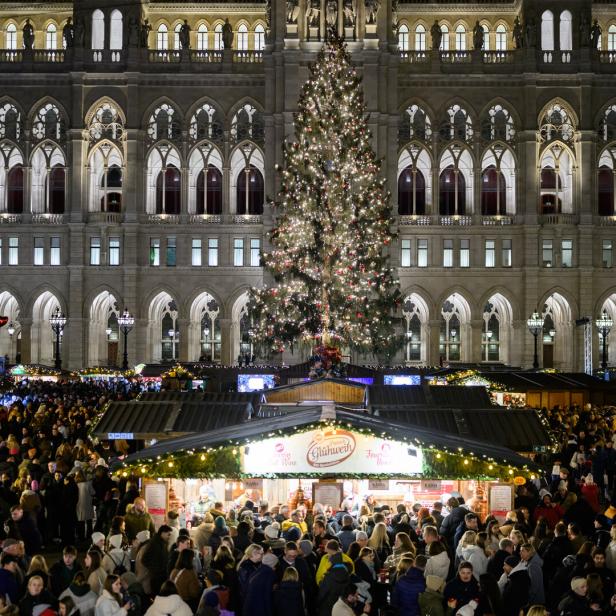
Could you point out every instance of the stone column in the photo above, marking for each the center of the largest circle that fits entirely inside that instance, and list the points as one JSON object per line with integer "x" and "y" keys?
{"x": 26, "y": 339}
{"x": 226, "y": 351}
{"x": 434, "y": 330}
{"x": 183, "y": 327}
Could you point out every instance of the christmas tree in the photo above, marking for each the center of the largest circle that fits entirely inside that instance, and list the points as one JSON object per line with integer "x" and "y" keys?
{"x": 332, "y": 282}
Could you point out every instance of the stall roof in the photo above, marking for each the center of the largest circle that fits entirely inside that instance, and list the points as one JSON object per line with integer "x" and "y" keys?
{"x": 199, "y": 417}
{"x": 232, "y": 397}
{"x": 264, "y": 428}
{"x": 437, "y": 395}
{"x": 555, "y": 381}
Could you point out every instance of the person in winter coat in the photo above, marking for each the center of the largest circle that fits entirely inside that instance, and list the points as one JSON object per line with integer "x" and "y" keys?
{"x": 556, "y": 550}
{"x": 220, "y": 531}
{"x": 431, "y": 601}
{"x": 534, "y": 566}
{"x": 610, "y": 551}
{"x": 346, "y": 535}
{"x": 576, "y": 602}
{"x": 497, "y": 560}
{"x": 331, "y": 588}
{"x": 95, "y": 572}
{"x": 405, "y": 595}
{"x": 85, "y": 505}
{"x": 514, "y": 585}
{"x": 63, "y": 571}
{"x": 348, "y": 603}
{"x": 168, "y": 603}
{"x": 469, "y": 551}
{"x": 452, "y": 520}
{"x": 259, "y": 595}
{"x": 590, "y": 493}
{"x": 463, "y": 588}
{"x": 35, "y": 597}
{"x": 438, "y": 561}
{"x": 186, "y": 580}
{"x": 138, "y": 519}
{"x": 203, "y": 532}
{"x": 288, "y": 597}
{"x": 155, "y": 555}
{"x": 116, "y": 560}
{"x": 601, "y": 537}
{"x": 248, "y": 566}
{"x": 81, "y": 594}
{"x": 551, "y": 512}
{"x": 22, "y": 528}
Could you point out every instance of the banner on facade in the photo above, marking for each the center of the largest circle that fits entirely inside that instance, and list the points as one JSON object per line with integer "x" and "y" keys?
{"x": 329, "y": 451}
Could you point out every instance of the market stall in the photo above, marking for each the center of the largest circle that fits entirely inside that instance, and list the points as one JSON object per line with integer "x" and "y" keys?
{"x": 35, "y": 372}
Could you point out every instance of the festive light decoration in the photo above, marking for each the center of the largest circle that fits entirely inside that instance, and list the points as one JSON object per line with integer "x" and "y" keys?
{"x": 333, "y": 283}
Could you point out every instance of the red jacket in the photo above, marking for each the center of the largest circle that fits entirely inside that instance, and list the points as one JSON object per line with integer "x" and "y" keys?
{"x": 590, "y": 492}
{"x": 552, "y": 515}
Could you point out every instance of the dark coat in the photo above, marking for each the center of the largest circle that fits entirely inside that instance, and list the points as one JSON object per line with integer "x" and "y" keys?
{"x": 553, "y": 556}
{"x": 496, "y": 562}
{"x": 515, "y": 593}
{"x": 29, "y": 602}
{"x": 405, "y": 596}
{"x": 8, "y": 585}
{"x": 155, "y": 559}
{"x": 258, "y": 600}
{"x": 61, "y": 576}
{"x": 332, "y": 586}
{"x": 25, "y": 530}
{"x": 288, "y": 599}
{"x": 451, "y": 523}
{"x": 462, "y": 592}
{"x": 244, "y": 573}
{"x": 574, "y": 605}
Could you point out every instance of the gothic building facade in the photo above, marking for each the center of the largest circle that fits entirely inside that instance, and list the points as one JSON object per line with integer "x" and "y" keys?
{"x": 139, "y": 142}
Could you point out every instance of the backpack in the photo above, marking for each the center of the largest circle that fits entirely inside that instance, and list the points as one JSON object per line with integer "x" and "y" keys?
{"x": 118, "y": 569}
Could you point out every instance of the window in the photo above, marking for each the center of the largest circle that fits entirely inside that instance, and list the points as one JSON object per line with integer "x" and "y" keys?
{"x": 420, "y": 38}
{"x": 259, "y": 38}
{"x": 501, "y": 38}
{"x": 15, "y": 190}
{"x": 611, "y": 38}
{"x": 242, "y": 38}
{"x": 116, "y": 28}
{"x": 486, "y": 38}
{"x": 546, "y": 253}
{"x": 196, "y": 252}
{"x": 444, "y": 38}
{"x": 250, "y": 191}
{"x": 411, "y": 192}
{"x": 238, "y": 252}
{"x": 493, "y": 192}
{"x": 209, "y": 191}
{"x": 255, "y": 252}
{"x": 171, "y": 252}
{"x": 13, "y": 251}
{"x": 212, "y": 252}
{"x": 54, "y": 251}
{"x": 403, "y": 38}
{"x": 506, "y": 253}
{"x": 57, "y": 183}
{"x": 460, "y": 38}
{"x": 452, "y": 192}
{"x": 465, "y": 253}
{"x": 39, "y": 251}
{"x": 566, "y": 253}
{"x": 176, "y": 37}
{"x": 51, "y": 37}
{"x": 98, "y": 30}
{"x": 162, "y": 38}
{"x": 566, "y": 31}
{"x": 95, "y": 251}
{"x": 606, "y": 253}
{"x": 605, "y": 187}
{"x": 168, "y": 191}
{"x": 422, "y": 253}
{"x": 447, "y": 253}
{"x": 490, "y": 253}
{"x": 547, "y": 31}
{"x": 114, "y": 251}
{"x": 11, "y": 36}
{"x": 154, "y": 252}
{"x": 202, "y": 38}
{"x": 218, "y": 37}
{"x": 405, "y": 253}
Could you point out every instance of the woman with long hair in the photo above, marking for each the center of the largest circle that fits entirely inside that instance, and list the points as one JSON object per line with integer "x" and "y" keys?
{"x": 38, "y": 566}
{"x": 110, "y": 603}
{"x": 403, "y": 546}
{"x": 185, "y": 579}
{"x": 168, "y": 602}
{"x": 494, "y": 536}
{"x": 36, "y": 596}
{"x": 95, "y": 572}
{"x": 247, "y": 567}
{"x": 379, "y": 542}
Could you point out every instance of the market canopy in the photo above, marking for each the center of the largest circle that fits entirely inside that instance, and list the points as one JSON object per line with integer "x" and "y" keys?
{"x": 381, "y": 396}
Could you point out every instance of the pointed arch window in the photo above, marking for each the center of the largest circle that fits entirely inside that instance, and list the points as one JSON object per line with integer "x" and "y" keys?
{"x": 501, "y": 38}
{"x": 162, "y": 38}
{"x": 242, "y": 37}
{"x": 57, "y": 190}
{"x": 51, "y": 37}
{"x": 403, "y": 38}
{"x": 420, "y": 38}
{"x": 164, "y": 123}
{"x": 218, "y": 46}
{"x": 10, "y": 122}
{"x": 176, "y": 37}
{"x": 411, "y": 192}
{"x": 11, "y": 36}
{"x": 48, "y": 180}
{"x": 566, "y": 31}
{"x": 202, "y": 43}
{"x": 259, "y": 38}
{"x": 414, "y": 331}
{"x": 486, "y": 38}
{"x": 450, "y": 337}
{"x": 556, "y": 181}
{"x": 170, "y": 333}
{"x": 452, "y": 192}
{"x": 498, "y": 126}
{"x": 211, "y": 335}
{"x": 493, "y": 192}
{"x": 415, "y": 124}
{"x": 460, "y": 38}
{"x": 48, "y": 123}
{"x": 250, "y": 191}
{"x": 490, "y": 336}
{"x": 98, "y": 30}
{"x": 106, "y": 123}
{"x": 15, "y": 190}
{"x": 209, "y": 191}
{"x": 611, "y": 38}
{"x": 458, "y": 125}
{"x": 557, "y": 123}
{"x": 206, "y": 123}
{"x": 547, "y": 31}
{"x": 607, "y": 127}
{"x": 444, "y": 38}
{"x": 606, "y": 183}
{"x": 247, "y": 123}
{"x": 168, "y": 190}
{"x": 116, "y": 31}
{"x": 111, "y": 187}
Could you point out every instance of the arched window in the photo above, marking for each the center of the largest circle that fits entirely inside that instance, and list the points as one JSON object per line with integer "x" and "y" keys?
{"x": 98, "y": 30}
{"x": 106, "y": 123}
{"x": 11, "y": 36}
{"x": 493, "y": 192}
{"x": 490, "y": 336}
{"x": 420, "y": 38}
{"x": 206, "y": 123}
{"x": 10, "y": 122}
{"x": 403, "y": 38}
{"x": 444, "y": 38}
{"x": 452, "y": 192}
{"x": 460, "y": 38}
{"x": 51, "y": 37}
{"x": 247, "y": 123}
{"x": 15, "y": 190}
{"x": 259, "y": 38}
{"x": 607, "y": 127}
{"x": 411, "y": 192}
{"x": 162, "y": 38}
{"x": 164, "y": 123}
{"x": 250, "y": 191}
{"x": 458, "y": 125}
{"x": 111, "y": 188}
{"x": 170, "y": 333}
{"x": 414, "y": 124}
{"x": 605, "y": 185}
{"x": 557, "y": 123}
{"x": 415, "y": 313}
{"x": 450, "y": 335}
{"x": 105, "y": 179}
{"x": 566, "y": 31}
{"x": 547, "y": 31}
{"x": 176, "y": 37}
{"x": 210, "y": 340}
{"x": 218, "y": 46}
{"x": 486, "y": 38}
{"x": 57, "y": 190}
{"x": 556, "y": 181}
{"x": 168, "y": 191}
{"x": 48, "y": 123}
{"x": 501, "y": 38}
{"x": 202, "y": 38}
{"x": 209, "y": 191}
{"x": 611, "y": 38}
{"x": 498, "y": 125}
{"x": 116, "y": 37}
{"x": 242, "y": 37}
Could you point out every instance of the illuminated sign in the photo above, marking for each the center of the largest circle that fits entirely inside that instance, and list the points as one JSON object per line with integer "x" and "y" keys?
{"x": 120, "y": 436}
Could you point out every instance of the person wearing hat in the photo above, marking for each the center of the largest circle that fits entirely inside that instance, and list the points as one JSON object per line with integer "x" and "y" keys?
{"x": 155, "y": 556}
{"x": 431, "y": 600}
{"x": 551, "y": 512}
{"x": 601, "y": 536}
{"x": 98, "y": 543}
{"x": 116, "y": 560}
{"x": 220, "y": 530}
{"x": 514, "y": 585}
{"x": 9, "y": 586}
{"x": 137, "y": 551}
{"x": 576, "y": 602}
{"x": 258, "y": 596}
{"x": 273, "y": 540}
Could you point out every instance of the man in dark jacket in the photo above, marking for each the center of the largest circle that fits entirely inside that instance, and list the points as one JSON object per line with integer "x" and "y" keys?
{"x": 63, "y": 571}
{"x": 405, "y": 596}
{"x": 346, "y": 535}
{"x": 497, "y": 560}
{"x": 8, "y": 578}
{"x": 335, "y": 581}
{"x": 22, "y": 528}
{"x": 452, "y": 521}
{"x": 463, "y": 588}
{"x": 515, "y": 585}
{"x": 155, "y": 557}
{"x": 258, "y": 598}
{"x": 470, "y": 522}
{"x": 556, "y": 550}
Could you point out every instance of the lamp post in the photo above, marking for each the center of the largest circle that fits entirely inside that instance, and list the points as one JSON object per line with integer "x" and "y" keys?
{"x": 57, "y": 322}
{"x": 126, "y": 321}
{"x": 535, "y": 327}
{"x": 604, "y": 325}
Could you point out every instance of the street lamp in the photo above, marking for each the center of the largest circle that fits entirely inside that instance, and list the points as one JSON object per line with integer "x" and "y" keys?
{"x": 57, "y": 322}
{"x": 126, "y": 321}
{"x": 11, "y": 329}
{"x": 604, "y": 325}
{"x": 535, "y": 327}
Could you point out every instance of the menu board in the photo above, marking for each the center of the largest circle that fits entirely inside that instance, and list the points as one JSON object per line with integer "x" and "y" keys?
{"x": 328, "y": 494}
{"x": 156, "y": 501}
{"x": 500, "y": 500}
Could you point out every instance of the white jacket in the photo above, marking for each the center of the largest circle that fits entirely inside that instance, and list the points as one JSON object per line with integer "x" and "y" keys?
{"x": 114, "y": 558}
{"x": 168, "y": 606}
{"x": 108, "y": 606}
{"x": 477, "y": 557}
{"x": 438, "y": 565}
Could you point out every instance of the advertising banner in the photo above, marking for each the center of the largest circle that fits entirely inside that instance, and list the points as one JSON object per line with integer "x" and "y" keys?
{"x": 331, "y": 451}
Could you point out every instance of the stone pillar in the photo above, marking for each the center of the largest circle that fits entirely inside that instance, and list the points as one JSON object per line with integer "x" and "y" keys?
{"x": 26, "y": 339}
{"x": 433, "y": 354}
{"x": 133, "y": 193}
{"x": 476, "y": 336}
{"x": 226, "y": 351}
{"x": 183, "y": 327}
{"x": 77, "y": 202}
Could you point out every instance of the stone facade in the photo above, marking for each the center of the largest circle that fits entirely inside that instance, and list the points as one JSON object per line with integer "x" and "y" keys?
{"x": 134, "y": 176}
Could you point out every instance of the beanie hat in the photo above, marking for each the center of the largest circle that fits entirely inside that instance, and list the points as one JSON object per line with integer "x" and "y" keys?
{"x": 577, "y": 583}
{"x": 219, "y": 522}
{"x": 271, "y": 531}
{"x": 435, "y": 583}
{"x": 306, "y": 547}
{"x": 589, "y": 479}
{"x": 96, "y": 537}
{"x": 602, "y": 519}
{"x": 513, "y": 560}
{"x": 544, "y": 492}
{"x": 293, "y": 533}
{"x": 143, "y": 536}
{"x": 271, "y": 560}
{"x": 128, "y": 578}
{"x": 468, "y": 609}
{"x": 115, "y": 541}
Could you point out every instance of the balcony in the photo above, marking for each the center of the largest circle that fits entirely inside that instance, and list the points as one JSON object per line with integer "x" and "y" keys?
{"x": 164, "y": 219}
{"x": 10, "y": 219}
{"x": 205, "y": 219}
{"x": 46, "y": 218}
{"x": 607, "y": 221}
{"x": 248, "y": 57}
{"x": 558, "y": 219}
{"x": 109, "y": 218}
{"x": 495, "y": 221}
{"x": 455, "y": 221}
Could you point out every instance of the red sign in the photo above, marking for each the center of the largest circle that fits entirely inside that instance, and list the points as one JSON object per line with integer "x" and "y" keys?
{"x": 3, "y": 321}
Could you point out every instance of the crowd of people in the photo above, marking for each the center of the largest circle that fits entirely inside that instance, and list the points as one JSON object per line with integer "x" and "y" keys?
{"x": 79, "y": 541}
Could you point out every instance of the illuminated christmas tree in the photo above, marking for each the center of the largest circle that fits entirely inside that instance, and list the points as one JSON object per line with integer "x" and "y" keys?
{"x": 332, "y": 282}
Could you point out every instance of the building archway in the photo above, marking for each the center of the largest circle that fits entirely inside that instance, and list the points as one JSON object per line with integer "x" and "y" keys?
{"x": 10, "y": 344}
{"x": 103, "y": 330}
{"x": 455, "y": 329}
{"x": 42, "y": 345}
{"x": 163, "y": 334}
{"x": 557, "y": 334}
{"x": 496, "y": 333}
{"x": 416, "y": 317}
{"x": 205, "y": 333}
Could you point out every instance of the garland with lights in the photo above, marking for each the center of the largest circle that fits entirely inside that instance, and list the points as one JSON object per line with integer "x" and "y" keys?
{"x": 333, "y": 284}
{"x": 224, "y": 461}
